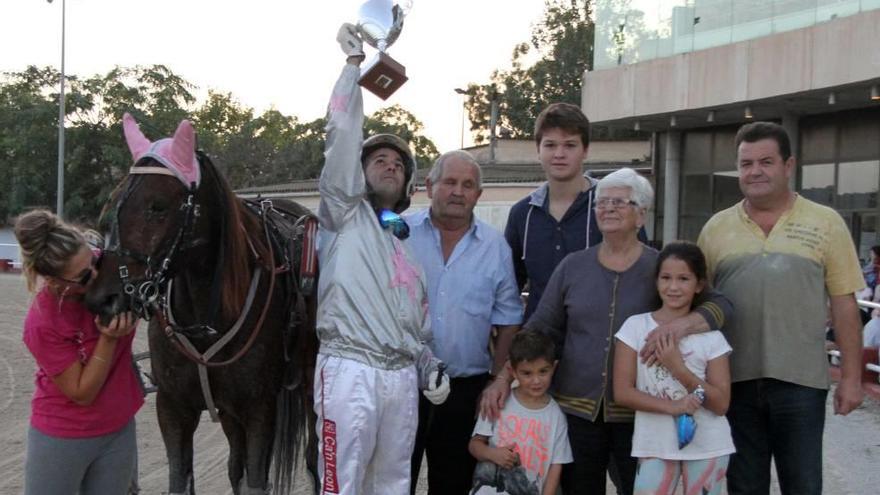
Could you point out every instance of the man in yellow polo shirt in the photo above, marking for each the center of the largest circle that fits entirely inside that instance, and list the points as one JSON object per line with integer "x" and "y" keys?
{"x": 782, "y": 260}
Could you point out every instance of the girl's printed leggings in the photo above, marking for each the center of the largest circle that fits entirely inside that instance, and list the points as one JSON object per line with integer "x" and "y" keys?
{"x": 700, "y": 477}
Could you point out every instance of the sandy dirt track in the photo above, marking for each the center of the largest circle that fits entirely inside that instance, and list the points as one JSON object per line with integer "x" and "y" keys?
{"x": 852, "y": 443}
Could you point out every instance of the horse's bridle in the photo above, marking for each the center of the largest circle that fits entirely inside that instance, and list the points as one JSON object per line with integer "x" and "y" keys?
{"x": 144, "y": 293}
{"x": 151, "y": 296}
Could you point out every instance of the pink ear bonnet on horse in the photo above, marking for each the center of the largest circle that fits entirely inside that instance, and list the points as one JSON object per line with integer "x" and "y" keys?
{"x": 176, "y": 153}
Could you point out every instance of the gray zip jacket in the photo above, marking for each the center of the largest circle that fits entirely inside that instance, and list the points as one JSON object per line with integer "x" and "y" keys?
{"x": 372, "y": 293}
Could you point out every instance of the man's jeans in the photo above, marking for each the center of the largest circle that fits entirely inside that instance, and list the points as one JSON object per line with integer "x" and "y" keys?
{"x": 774, "y": 418}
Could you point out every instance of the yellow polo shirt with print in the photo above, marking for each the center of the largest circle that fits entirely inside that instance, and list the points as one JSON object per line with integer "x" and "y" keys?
{"x": 779, "y": 285}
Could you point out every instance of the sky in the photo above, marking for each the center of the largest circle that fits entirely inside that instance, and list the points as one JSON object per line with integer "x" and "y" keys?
{"x": 274, "y": 53}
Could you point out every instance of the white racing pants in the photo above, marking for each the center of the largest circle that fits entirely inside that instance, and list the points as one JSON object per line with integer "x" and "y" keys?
{"x": 367, "y": 421}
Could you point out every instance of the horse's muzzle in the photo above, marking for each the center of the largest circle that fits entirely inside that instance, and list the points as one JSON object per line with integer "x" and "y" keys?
{"x": 107, "y": 306}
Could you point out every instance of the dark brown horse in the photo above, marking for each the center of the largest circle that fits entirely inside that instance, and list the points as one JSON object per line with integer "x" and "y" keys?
{"x": 230, "y": 309}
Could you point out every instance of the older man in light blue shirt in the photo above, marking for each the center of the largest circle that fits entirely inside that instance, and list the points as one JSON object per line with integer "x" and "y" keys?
{"x": 471, "y": 288}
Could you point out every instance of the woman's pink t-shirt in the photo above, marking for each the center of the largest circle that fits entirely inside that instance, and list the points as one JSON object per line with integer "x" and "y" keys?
{"x": 58, "y": 333}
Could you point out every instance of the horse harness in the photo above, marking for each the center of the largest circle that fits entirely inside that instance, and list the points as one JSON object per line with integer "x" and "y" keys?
{"x": 147, "y": 298}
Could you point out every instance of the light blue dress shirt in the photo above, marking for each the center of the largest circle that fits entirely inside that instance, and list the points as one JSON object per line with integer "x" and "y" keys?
{"x": 468, "y": 294}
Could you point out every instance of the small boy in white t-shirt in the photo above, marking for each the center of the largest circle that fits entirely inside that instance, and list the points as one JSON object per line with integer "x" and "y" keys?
{"x": 522, "y": 452}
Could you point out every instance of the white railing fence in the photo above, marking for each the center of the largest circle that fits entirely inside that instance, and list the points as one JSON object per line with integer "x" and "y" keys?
{"x": 835, "y": 354}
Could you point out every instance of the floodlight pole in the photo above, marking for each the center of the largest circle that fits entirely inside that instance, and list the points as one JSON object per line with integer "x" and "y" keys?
{"x": 463, "y": 93}
{"x": 59, "y": 208}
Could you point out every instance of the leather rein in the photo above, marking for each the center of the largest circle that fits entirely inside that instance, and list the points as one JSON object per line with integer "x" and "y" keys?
{"x": 151, "y": 295}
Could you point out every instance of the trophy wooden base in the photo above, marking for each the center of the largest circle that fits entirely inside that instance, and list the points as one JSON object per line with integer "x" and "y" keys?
{"x": 383, "y": 76}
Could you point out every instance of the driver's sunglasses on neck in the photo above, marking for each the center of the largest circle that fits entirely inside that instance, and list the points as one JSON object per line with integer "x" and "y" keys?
{"x": 87, "y": 274}
{"x": 390, "y": 220}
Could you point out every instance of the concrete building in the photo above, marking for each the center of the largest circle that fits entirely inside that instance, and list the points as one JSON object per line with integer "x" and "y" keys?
{"x": 693, "y": 71}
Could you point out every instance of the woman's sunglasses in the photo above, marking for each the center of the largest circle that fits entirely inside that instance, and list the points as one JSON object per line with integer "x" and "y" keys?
{"x": 390, "y": 220}
{"x": 86, "y": 275}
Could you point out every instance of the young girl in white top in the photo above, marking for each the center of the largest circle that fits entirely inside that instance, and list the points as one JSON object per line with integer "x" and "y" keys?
{"x": 690, "y": 377}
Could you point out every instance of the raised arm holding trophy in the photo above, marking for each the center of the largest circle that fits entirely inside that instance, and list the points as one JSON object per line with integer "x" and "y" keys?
{"x": 374, "y": 354}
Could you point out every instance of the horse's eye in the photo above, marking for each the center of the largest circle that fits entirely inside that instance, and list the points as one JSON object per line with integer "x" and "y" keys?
{"x": 156, "y": 210}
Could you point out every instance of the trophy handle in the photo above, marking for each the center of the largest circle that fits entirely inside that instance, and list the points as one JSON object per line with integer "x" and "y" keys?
{"x": 396, "y": 26}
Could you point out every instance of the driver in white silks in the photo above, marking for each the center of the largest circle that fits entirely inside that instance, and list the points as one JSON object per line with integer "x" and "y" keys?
{"x": 372, "y": 320}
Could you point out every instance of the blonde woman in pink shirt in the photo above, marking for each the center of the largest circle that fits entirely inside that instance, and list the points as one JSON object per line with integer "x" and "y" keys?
{"x": 82, "y": 434}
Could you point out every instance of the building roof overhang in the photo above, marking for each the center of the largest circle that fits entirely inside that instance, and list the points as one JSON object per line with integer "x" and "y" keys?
{"x": 815, "y": 102}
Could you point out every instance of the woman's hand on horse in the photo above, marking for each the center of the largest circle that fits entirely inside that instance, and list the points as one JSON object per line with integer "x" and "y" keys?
{"x": 120, "y": 326}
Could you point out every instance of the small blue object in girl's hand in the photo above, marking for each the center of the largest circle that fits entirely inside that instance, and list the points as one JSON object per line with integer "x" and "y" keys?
{"x": 686, "y": 426}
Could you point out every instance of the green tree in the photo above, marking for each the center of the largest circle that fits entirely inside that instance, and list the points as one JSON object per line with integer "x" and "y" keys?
{"x": 561, "y": 46}
{"x": 299, "y": 146}
{"x": 562, "y": 42}
{"x": 258, "y": 151}
{"x": 155, "y": 96}
{"x": 250, "y": 150}
{"x": 397, "y": 120}
{"x": 224, "y": 132}
{"x": 28, "y": 140}
{"x": 97, "y": 157}
{"x": 305, "y": 153}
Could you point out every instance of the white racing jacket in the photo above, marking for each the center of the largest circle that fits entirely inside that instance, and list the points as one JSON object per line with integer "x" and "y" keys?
{"x": 372, "y": 292}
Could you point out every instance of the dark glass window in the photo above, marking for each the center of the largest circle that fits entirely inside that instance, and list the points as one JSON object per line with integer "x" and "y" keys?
{"x": 697, "y": 152}
{"x": 725, "y": 190}
{"x": 817, "y": 183}
{"x": 857, "y": 185}
{"x": 859, "y": 139}
{"x": 709, "y": 178}
{"x": 817, "y": 141}
{"x": 696, "y": 195}
{"x": 689, "y": 226}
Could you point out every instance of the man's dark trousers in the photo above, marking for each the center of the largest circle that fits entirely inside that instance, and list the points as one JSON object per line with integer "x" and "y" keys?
{"x": 443, "y": 435}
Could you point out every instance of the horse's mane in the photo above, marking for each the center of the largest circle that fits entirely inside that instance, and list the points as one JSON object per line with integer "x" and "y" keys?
{"x": 109, "y": 208}
{"x": 237, "y": 250}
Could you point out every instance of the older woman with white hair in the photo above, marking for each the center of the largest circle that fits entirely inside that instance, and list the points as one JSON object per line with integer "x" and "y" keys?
{"x": 589, "y": 296}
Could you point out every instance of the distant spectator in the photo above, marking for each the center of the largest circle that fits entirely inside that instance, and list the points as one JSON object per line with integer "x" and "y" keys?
{"x": 871, "y": 331}
{"x": 871, "y": 335}
{"x": 871, "y": 270}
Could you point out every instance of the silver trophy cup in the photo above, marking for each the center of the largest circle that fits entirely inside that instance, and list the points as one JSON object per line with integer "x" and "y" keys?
{"x": 379, "y": 25}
